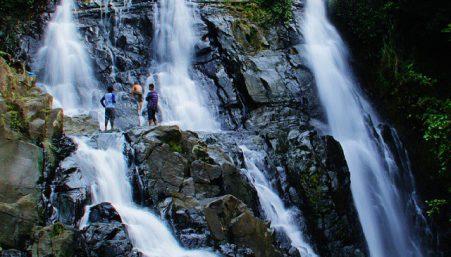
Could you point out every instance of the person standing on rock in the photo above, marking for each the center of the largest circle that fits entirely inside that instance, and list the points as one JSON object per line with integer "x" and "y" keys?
{"x": 152, "y": 105}
{"x": 108, "y": 102}
{"x": 137, "y": 94}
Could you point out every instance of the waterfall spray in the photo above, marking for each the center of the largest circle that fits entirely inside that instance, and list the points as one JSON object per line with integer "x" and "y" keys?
{"x": 382, "y": 207}
{"x": 282, "y": 218}
{"x": 182, "y": 101}
{"x": 107, "y": 168}
{"x": 63, "y": 65}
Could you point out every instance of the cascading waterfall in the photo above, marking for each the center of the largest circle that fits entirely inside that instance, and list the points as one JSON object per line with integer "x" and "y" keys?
{"x": 282, "y": 219}
{"x": 107, "y": 168}
{"x": 63, "y": 65}
{"x": 383, "y": 211}
{"x": 182, "y": 101}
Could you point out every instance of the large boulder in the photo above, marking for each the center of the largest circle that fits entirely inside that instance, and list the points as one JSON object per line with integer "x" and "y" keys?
{"x": 105, "y": 235}
{"x": 230, "y": 220}
{"x": 21, "y": 166}
{"x": 316, "y": 179}
{"x": 19, "y": 194}
{"x": 54, "y": 240}
{"x": 17, "y": 221}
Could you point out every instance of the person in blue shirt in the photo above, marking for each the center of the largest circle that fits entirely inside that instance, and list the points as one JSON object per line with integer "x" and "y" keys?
{"x": 108, "y": 102}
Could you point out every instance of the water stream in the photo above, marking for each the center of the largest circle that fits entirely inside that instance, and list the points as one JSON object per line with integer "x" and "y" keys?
{"x": 182, "y": 101}
{"x": 282, "y": 218}
{"x": 106, "y": 166}
{"x": 382, "y": 205}
{"x": 63, "y": 65}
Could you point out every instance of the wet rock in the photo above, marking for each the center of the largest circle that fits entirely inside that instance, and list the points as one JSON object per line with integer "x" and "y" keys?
{"x": 107, "y": 239}
{"x": 188, "y": 221}
{"x": 21, "y": 167}
{"x": 316, "y": 171}
{"x": 71, "y": 192}
{"x": 230, "y": 220}
{"x": 17, "y": 221}
{"x": 204, "y": 176}
{"x": 54, "y": 240}
{"x": 103, "y": 212}
{"x": 12, "y": 253}
{"x": 105, "y": 235}
{"x": 81, "y": 125}
{"x": 167, "y": 170}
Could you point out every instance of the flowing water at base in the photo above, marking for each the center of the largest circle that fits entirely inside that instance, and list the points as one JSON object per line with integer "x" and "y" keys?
{"x": 282, "y": 218}
{"x": 107, "y": 168}
{"x": 382, "y": 204}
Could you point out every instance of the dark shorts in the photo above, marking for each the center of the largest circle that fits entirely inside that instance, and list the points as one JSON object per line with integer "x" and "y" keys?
{"x": 110, "y": 114}
{"x": 138, "y": 97}
{"x": 151, "y": 114}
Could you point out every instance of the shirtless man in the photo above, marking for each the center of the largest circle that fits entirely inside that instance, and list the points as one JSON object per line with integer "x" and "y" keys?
{"x": 137, "y": 94}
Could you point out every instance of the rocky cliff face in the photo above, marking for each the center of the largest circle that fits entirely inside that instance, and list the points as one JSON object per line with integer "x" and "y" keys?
{"x": 257, "y": 79}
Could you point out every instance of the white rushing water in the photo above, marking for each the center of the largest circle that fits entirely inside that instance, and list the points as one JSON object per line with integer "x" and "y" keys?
{"x": 182, "y": 101}
{"x": 382, "y": 210}
{"x": 107, "y": 168}
{"x": 63, "y": 65}
{"x": 282, "y": 218}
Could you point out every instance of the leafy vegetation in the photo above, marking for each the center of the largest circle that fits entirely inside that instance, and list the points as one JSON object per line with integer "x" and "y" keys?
{"x": 16, "y": 17}
{"x": 264, "y": 12}
{"x": 403, "y": 53}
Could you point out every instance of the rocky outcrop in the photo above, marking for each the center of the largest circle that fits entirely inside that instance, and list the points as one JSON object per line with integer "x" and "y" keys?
{"x": 54, "y": 240}
{"x": 106, "y": 235}
{"x": 28, "y": 126}
{"x": 201, "y": 191}
{"x": 171, "y": 162}
{"x": 253, "y": 66}
{"x": 25, "y": 111}
{"x": 312, "y": 174}
{"x": 230, "y": 221}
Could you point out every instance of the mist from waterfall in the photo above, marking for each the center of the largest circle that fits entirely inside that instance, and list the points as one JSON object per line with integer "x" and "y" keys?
{"x": 106, "y": 167}
{"x": 63, "y": 65}
{"x": 282, "y": 219}
{"x": 382, "y": 205}
{"x": 183, "y": 102}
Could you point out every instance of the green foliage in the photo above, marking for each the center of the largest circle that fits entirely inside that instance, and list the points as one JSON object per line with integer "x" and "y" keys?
{"x": 16, "y": 120}
{"x": 175, "y": 147}
{"x": 437, "y": 122}
{"x": 447, "y": 30}
{"x": 434, "y": 206}
{"x": 265, "y": 12}
{"x": 16, "y": 18}
{"x": 57, "y": 229}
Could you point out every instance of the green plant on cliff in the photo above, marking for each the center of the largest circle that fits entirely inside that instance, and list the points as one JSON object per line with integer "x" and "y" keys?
{"x": 17, "y": 17}
{"x": 264, "y": 12}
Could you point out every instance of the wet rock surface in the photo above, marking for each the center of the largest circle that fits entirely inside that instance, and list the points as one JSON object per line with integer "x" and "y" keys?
{"x": 231, "y": 221}
{"x": 105, "y": 235}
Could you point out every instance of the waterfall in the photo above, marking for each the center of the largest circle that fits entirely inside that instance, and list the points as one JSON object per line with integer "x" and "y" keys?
{"x": 182, "y": 101}
{"x": 382, "y": 209}
{"x": 107, "y": 168}
{"x": 63, "y": 65}
{"x": 282, "y": 219}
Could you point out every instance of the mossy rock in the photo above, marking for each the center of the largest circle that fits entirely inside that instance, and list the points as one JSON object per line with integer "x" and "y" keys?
{"x": 249, "y": 36}
{"x": 55, "y": 240}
